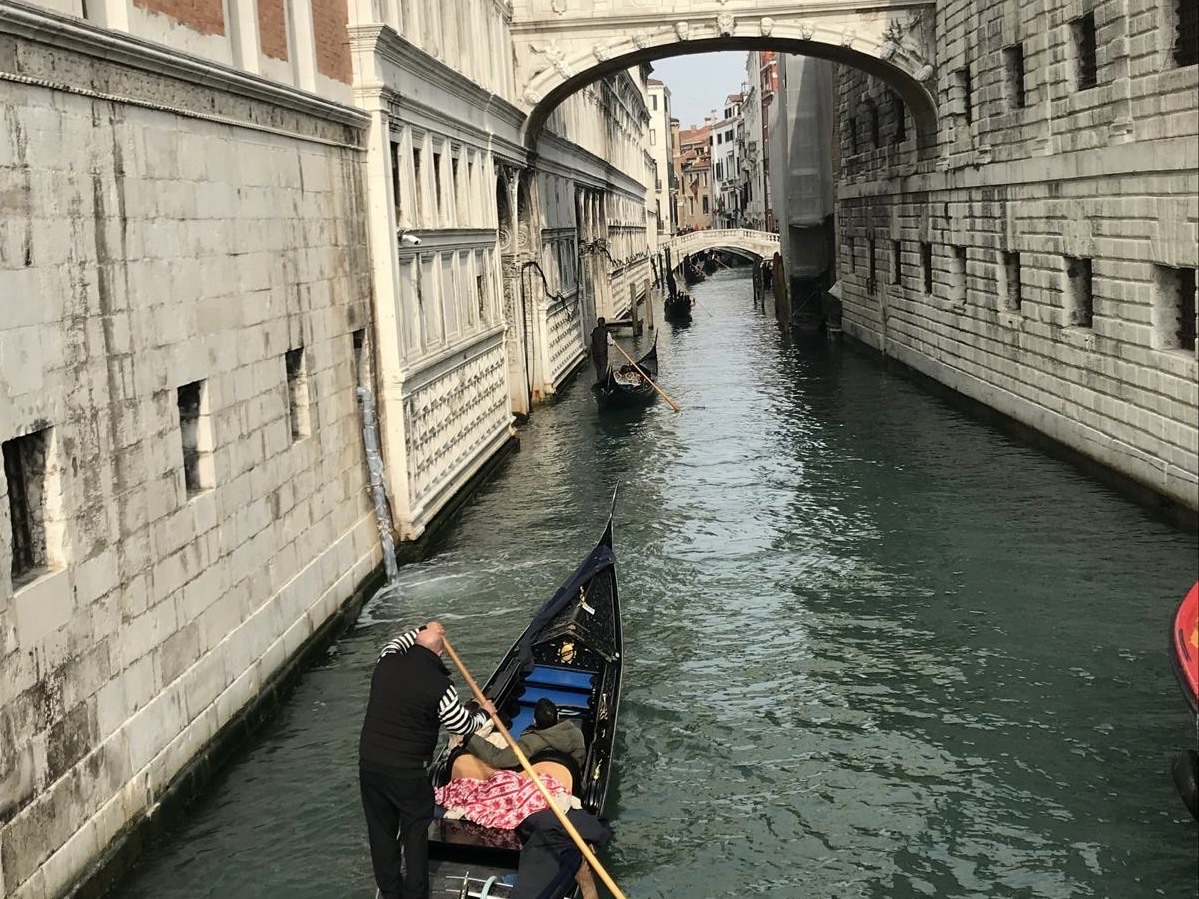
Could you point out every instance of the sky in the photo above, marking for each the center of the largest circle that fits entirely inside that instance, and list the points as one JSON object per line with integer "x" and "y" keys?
{"x": 699, "y": 83}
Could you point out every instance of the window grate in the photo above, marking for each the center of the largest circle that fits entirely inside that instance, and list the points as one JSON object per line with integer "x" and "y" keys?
{"x": 901, "y": 124}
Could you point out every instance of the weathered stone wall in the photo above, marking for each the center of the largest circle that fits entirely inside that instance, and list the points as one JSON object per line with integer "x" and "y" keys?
{"x": 975, "y": 271}
{"x": 143, "y": 250}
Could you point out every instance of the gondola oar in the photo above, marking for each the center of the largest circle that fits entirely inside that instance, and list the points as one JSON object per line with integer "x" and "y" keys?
{"x": 524, "y": 763}
{"x": 673, "y": 405}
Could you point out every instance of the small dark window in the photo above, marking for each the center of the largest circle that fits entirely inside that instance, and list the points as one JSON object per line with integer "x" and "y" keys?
{"x": 1083, "y": 31}
{"x": 896, "y": 262}
{"x": 1186, "y": 32}
{"x": 195, "y": 436}
{"x": 875, "y": 139}
{"x": 959, "y": 274}
{"x": 1174, "y": 309}
{"x": 437, "y": 181}
{"x": 1011, "y": 281}
{"x": 706, "y": 209}
{"x": 900, "y": 134}
{"x": 297, "y": 394}
{"x": 25, "y": 462}
{"x": 416, "y": 176}
{"x": 853, "y": 137}
{"x": 396, "y": 179}
{"x": 851, "y": 249}
{"x": 926, "y": 265}
{"x": 966, "y": 92}
{"x": 1080, "y": 297}
{"x": 872, "y": 263}
{"x": 1013, "y": 63}
{"x": 481, "y": 293}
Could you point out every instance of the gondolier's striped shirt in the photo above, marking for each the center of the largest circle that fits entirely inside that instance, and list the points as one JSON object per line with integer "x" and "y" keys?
{"x": 453, "y": 717}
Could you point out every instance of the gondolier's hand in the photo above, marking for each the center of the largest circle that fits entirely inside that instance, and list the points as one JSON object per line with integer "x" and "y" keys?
{"x": 436, "y": 627}
{"x": 489, "y": 708}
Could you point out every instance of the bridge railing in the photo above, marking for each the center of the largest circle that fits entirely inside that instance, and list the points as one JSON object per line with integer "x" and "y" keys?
{"x": 763, "y": 242}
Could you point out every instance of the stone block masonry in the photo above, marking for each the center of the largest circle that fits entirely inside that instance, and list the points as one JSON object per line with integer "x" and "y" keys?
{"x": 1047, "y": 260}
{"x": 158, "y": 272}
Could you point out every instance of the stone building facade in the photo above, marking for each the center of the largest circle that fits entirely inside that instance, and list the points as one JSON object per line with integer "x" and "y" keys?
{"x": 220, "y": 221}
{"x": 1043, "y": 262}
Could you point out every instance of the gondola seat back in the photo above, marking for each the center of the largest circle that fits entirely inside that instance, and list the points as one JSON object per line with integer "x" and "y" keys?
{"x": 572, "y": 691}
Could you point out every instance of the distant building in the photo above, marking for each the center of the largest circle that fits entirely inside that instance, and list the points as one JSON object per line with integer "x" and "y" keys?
{"x": 693, "y": 167}
{"x": 660, "y": 137}
{"x": 728, "y": 137}
{"x": 761, "y": 71}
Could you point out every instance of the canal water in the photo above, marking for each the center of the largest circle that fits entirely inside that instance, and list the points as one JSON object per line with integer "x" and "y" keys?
{"x": 874, "y": 648}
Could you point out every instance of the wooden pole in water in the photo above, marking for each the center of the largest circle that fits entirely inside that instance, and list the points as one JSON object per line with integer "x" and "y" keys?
{"x": 524, "y": 763}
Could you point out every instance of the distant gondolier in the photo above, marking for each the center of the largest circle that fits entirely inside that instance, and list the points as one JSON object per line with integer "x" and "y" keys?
{"x": 600, "y": 341}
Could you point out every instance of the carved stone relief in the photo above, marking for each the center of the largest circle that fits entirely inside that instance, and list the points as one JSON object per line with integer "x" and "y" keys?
{"x": 725, "y": 23}
{"x": 766, "y": 26}
{"x": 682, "y": 29}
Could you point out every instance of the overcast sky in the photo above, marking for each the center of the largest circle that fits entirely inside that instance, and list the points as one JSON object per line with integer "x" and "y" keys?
{"x": 699, "y": 83}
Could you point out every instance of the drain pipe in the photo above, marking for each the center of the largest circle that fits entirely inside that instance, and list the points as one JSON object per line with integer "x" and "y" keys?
{"x": 374, "y": 464}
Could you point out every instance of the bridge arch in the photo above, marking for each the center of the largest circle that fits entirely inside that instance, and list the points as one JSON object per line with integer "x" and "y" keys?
{"x": 557, "y": 57}
{"x": 762, "y": 244}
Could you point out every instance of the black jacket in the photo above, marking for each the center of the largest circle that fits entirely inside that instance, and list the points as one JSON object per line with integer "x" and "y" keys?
{"x": 411, "y": 697}
{"x": 550, "y": 858}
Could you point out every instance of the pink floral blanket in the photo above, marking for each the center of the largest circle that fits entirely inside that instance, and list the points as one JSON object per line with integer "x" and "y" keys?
{"x": 502, "y": 801}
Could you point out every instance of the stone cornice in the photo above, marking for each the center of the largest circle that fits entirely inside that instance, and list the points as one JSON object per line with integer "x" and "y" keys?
{"x": 391, "y": 48}
{"x": 442, "y": 239}
{"x": 114, "y": 47}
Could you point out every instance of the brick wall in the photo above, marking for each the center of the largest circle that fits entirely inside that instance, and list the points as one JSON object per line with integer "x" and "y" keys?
{"x": 272, "y": 28}
{"x": 204, "y": 16}
{"x": 329, "y": 19}
{"x": 1026, "y": 183}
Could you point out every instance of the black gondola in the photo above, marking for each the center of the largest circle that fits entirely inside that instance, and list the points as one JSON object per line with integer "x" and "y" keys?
{"x": 572, "y": 653}
{"x": 677, "y": 308}
{"x": 611, "y": 393}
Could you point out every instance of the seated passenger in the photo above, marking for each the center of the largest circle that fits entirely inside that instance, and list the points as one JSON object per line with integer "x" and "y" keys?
{"x": 545, "y": 734}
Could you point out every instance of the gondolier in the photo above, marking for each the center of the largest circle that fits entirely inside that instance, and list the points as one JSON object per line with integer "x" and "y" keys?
{"x": 600, "y": 341}
{"x": 411, "y": 697}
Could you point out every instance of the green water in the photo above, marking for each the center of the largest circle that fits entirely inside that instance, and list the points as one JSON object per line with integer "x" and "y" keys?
{"x": 873, "y": 649}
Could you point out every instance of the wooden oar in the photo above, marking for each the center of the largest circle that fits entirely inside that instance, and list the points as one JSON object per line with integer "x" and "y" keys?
{"x": 673, "y": 405}
{"x": 524, "y": 763}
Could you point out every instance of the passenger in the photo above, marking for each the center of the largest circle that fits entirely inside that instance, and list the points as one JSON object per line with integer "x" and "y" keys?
{"x": 546, "y": 734}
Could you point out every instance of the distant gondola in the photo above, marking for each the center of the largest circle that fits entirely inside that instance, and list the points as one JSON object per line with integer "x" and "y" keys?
{"x": 611, "y": 392}
{"x": 678, "y": 307}
{"x": 571, "y": 652}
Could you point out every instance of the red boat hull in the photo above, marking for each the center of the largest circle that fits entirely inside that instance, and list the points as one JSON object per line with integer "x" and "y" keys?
{"x": 1184, "y": 645}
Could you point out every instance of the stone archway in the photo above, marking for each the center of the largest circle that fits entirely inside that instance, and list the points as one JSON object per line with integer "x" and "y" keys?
{"x": 560, "y": 49}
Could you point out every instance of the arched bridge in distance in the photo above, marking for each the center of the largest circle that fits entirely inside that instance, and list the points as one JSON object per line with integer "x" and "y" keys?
{"x": 745, "y": 240}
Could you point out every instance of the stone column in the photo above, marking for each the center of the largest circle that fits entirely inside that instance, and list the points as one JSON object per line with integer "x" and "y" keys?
{"x": 513, "y": 309}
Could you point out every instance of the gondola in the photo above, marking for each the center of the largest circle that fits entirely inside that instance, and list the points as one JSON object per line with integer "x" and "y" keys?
{"x": 677, "y": 308}
{"x": 610, "y": 393}
{"x": 572, "y": 653}
{"x": 1184, "y": 655}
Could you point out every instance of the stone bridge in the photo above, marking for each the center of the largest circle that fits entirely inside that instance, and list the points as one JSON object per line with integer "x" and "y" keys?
{"x": 563, "y": 45}
{"x": 758, "y": 243}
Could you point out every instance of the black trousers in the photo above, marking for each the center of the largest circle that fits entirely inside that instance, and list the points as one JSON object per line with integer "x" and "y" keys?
{"x": 403, "y": 806}
{"x": 601, "y": 366}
